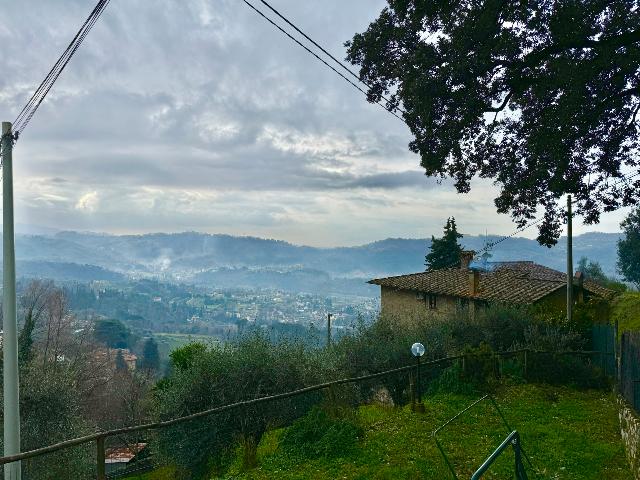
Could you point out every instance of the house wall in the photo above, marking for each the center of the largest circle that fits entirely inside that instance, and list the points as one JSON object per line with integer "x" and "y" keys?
{"x": 405, "y": 304}
{"x": 407, "y": 307}
{"x": 556, "y": 301}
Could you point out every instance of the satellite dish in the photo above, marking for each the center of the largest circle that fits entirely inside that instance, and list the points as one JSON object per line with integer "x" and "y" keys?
{"x": 417, "y": 349}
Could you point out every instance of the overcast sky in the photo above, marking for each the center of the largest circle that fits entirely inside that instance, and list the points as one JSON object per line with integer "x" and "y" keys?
{"x": 199, "y": 115}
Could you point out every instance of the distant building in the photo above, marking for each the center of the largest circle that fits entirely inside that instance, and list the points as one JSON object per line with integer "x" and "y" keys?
{"x": 441, "y": 292}
{"x": 108, "y": 355}
{"x": 118, "y": 459}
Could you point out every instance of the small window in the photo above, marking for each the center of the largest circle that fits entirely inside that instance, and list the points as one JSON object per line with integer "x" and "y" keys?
{"x": 432, "y": 302}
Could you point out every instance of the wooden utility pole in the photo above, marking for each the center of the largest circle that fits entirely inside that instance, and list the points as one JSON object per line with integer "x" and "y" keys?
{"x": 12, "y": 471}
{"x": 569, "y": 262}
{"x": 328, "y": 329}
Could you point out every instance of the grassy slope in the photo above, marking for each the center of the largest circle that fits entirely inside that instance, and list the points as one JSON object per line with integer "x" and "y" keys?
{"x": 568, "y": 434}
{"x": 626, "y": 310}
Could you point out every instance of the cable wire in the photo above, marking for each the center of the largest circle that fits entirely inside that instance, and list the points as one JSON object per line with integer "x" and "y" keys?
{"x": 259, "y": 12}
{"x": 323, "y": 50}
{"x": 29, "y": 110}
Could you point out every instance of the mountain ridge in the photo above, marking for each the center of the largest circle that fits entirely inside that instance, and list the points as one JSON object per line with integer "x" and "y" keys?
{"x": 196, "y": 257}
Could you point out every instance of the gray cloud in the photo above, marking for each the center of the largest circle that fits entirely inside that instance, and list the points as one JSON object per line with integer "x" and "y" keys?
{"x": 199, "y": 115}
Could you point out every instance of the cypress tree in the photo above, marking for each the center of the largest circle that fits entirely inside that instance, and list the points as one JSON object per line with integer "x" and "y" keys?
{"x": 445, "y": 252}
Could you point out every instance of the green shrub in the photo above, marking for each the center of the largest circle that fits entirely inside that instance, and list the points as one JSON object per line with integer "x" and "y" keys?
{"x": 558, "y": 369}
{"x": 319, "y": 434}
{"x": 221, "y": 374}
{"x": 451, "y": 381}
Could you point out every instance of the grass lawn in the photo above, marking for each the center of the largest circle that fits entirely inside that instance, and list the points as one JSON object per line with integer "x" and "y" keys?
{"x": 626, "y": 310}
{"x": 568, "y": 434}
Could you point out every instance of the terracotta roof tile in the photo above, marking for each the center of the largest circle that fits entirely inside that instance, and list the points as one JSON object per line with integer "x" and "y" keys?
{"x": 512, "y": 282}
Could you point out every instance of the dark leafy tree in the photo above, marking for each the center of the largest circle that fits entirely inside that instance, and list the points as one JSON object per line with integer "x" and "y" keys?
{"x": 113, "y": 333}
{"x": 542, "y": 97}
{"x": 121, "y": 364}
{"x": 445, "y": 252}
{"x": 25, "y": 339}
{"x": 592, "y": 270}
{"x": 150, "y": 356}
{"x": 629, "y": 249}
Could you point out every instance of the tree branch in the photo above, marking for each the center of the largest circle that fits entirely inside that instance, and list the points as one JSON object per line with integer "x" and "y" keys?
{"x": 502, "y": 106}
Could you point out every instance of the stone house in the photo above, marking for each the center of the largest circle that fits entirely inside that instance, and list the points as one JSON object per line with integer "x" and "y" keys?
{"x": 474, "y": 286}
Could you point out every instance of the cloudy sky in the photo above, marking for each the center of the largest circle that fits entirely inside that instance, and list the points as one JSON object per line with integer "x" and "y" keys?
{"x": 199, "y": 115}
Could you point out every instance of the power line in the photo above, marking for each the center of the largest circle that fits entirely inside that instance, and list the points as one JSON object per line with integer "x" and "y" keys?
{"x": 255, "y": 9}
{"x": 28, "y": 111}
{"x": 622, "y": 179}
{"x": 323, "y": 50}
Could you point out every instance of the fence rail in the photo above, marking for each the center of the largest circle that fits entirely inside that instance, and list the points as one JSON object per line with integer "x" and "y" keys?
{"x": 100, "y": 437}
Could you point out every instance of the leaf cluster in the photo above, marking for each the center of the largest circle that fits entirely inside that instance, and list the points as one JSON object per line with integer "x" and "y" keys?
{"x": 541, "y": 97}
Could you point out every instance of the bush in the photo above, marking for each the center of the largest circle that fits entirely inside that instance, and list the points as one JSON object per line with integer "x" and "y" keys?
{"x": 250, "y": 368}
{"x": 557, "y": 369}
{"x": 50, "y": 413}
{"x": 319, "y": 434}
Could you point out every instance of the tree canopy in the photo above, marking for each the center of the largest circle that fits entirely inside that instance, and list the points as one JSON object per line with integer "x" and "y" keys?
{"x": 445, "y": 252}
{"x": 542, "y": 97}
{"x": 150, "y": 355}
{"x": 629, "y": 248}
{"x": 113, "y": 333}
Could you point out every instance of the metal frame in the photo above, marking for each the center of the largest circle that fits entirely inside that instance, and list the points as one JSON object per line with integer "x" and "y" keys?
{"x": 512, "y": 439}
{"x": 512, "y": 434}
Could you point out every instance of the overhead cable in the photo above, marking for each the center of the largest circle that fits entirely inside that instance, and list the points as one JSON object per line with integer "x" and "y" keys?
{"x": 259, "y": 12}
{"x": 27, "y": 112}
{"x": 323, "y": 50}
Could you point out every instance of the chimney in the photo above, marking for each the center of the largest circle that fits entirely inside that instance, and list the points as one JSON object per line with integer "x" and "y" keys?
{"x": 466, "y": 257}
{"x": 474, "y": 281}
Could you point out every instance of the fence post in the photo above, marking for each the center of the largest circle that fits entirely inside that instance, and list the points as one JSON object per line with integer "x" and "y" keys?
{"x": 412, "y": 391}
{"x": 464, "y": 365}
{"x": 100, "y": 459}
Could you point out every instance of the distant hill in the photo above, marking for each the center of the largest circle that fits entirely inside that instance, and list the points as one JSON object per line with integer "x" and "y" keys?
{"x": 225, "y": 260}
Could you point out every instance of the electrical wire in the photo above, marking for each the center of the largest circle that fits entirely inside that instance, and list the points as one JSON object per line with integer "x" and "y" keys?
{"x": 323, "y": 50}
{"x": 28, "y": 111}
{"x": 259, "y": 12}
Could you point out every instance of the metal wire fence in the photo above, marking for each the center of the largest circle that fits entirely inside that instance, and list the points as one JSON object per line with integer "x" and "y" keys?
{"x": 629, "y": 377}
{"x": 203, "y": 438}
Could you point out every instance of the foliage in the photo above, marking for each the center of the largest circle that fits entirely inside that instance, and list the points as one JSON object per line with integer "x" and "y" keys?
{"x": 51, "y": 412}
{"x": 223, "y": 374}
{"x": 445, "y": 251}
{"x": 121, "y": 364}
{"x": 625, "y": 309}
{"x": 384, "y": 345}
{"x": 480, "y": 367}
{"x": 542, "y": 97}
{"x": 112, "y": 333}
{"x": 629, "y": 248}
{"x": 185, "y": 357}
{"x": 319, "y": 434}
{"x": 581, "y": 440}
{"x": 25, "y": 339}
{"x": 593, "y": 271}
{"x": 150, "y": 356}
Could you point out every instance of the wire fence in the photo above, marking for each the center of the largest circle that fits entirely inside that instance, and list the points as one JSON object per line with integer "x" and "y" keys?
{"x": 195, "y": 438}
{"x": 629, "y": 376}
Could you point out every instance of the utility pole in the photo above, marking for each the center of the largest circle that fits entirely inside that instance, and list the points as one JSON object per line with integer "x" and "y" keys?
{"x": 328, "y": 329}
{"x": 12, "y": 471}
{"x": 569, "y": 262}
